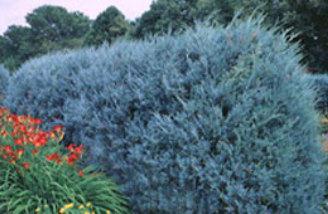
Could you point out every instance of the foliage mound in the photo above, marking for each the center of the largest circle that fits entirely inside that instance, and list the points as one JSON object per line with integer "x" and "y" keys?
{"x": 4, "y": 79}
{"x": 320, "y": 85}
{"x": 214, "y": 120}
{"x": 38, "y": 176}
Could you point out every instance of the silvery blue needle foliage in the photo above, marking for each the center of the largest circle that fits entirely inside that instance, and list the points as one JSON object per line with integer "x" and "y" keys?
{"x": 320, "y": 84}
{"x": 215, "y": 120}
{"x": 4, "y": 78}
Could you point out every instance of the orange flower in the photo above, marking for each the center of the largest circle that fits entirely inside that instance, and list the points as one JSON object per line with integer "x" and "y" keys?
{"x": 70, "y": 147}
{"x": 79, "y": 149}
{"x": 81, "y": 173}
{"x": 35, "y": 151}
{"x": 72, "y": 158}
{"x": 58, "y": 128}
{"x": 54, "y": 157}
{"x": 31, "y": 129}
{"x": 19, "y": 141}
{"x": 75, "y": 149}
{"x": 39, "y": 139}
{"x": 8, "y": 148}
{"x": 20, "y": 152}
{"x": 4, "y": 133}
{"x": 35, "y": 121}
{"x": 26, "y": 165}
{"x": 25, "y": 131}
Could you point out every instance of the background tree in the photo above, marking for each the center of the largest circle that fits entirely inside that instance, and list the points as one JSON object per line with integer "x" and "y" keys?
{"x": 50, "y": 28}
{"x": 16, "y": 46}
{"x": 55, "y": 23}
{"x": 308, "y": 18}
{"x": 164, "y": 15}
{"x": 108, "y": 26}
{"x": 54, "y": 28}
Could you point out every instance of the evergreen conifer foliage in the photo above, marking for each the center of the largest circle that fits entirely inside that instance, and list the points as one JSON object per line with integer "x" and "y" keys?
{"x": 214, "y": 120}
{"x": 4, "y": 79}
{"x": 320, "y": 84}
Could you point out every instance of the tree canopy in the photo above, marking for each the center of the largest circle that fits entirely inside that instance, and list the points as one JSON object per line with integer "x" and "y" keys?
{"x": 108, "y": 26}
{"x": 306, "y": 18}
{"x": 50, "y": 28}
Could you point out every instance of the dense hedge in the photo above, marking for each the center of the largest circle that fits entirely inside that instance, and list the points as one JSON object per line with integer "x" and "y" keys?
{"x": 47, "y": 87}
{"x": 214, "y": 120}
{"x": 4, "y": 78}
{"x": 320, "y": 84}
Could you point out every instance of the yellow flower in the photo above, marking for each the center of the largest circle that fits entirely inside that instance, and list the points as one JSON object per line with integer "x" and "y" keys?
{"x": 87, "y": 212}
{"x": 89, "y": 204}
{"x": 37, "y": 209}
{"x": 67, "y": 206}
{"x": 81, "y": 206}
{"x": 107, "y": 211}
{"x": 52, "y": 135}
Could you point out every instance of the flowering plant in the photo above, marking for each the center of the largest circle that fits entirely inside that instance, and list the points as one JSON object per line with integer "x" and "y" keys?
{"x": 39, "y": 175}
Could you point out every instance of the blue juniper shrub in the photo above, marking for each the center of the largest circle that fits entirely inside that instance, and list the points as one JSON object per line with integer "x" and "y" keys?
{"x": 214, "y": 120}
{"x": 47, "y": 86}
{"x": 4, "y": 78}
{"x": 320, "y": 84}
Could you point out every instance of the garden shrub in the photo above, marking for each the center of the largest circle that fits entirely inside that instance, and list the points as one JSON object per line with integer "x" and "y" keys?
{"x": 46, "y": 89}
{"x": 4, "y": 78}
{"x": 214, "y": 120}
{"x": 320, "y": 85}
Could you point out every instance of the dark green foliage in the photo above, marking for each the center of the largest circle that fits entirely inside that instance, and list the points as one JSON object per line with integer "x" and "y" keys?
{"x": 50, "y": 28}
{"x": 16, "y": 46}
{"x": 108, "y": 26}
{"x": 211, "y": 121}
{"x": 220, "y": 12}
{"x": 164, "y": 15}
{"x": 56, "y": 23}
{"x": 307, "y": 17}
{"x": 310, "y": 19}
{"x": 177, "y": 15}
